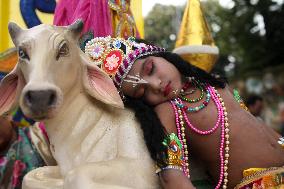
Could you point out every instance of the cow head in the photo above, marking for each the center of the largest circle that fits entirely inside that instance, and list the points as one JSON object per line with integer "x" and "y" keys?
{"x": 49, "y": 66}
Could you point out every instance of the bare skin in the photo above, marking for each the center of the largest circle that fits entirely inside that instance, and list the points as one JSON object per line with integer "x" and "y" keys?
{"x": 172, "y": 179}
{"x": 252, "y": 143}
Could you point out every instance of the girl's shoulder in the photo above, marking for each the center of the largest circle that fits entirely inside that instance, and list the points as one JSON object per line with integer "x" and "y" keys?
{"x": 166, "y": 116}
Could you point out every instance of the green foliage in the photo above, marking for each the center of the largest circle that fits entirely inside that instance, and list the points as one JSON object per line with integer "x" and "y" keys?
{"x": 255, "y": 49}
{"x": 162, "y": 25}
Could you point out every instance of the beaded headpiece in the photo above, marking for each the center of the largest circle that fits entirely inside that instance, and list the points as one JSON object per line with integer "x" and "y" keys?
{"x": 116, "y": 56}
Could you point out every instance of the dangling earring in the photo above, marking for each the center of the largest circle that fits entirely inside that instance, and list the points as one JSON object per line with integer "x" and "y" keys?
{"x": 135, "y": 80}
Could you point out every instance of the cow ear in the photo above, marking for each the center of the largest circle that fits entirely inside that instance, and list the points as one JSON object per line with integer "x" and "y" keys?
{"x": 10, "y": 89}
{"x": 99, "y": 85}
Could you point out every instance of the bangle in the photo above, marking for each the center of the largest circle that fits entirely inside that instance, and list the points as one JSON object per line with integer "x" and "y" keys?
{"x": 176, "y": 167}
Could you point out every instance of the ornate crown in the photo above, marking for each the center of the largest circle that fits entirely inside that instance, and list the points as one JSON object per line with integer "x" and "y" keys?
{"x": 117, "y": 55}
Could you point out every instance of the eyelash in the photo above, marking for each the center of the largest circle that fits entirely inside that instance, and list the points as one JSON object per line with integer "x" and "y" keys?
{"x": 149, "y": 71}
{"x": 152, "y": 69}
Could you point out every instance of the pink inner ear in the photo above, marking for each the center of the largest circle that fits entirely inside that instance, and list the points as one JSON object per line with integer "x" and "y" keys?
{"x": 103, "y": 87}
{"x": 99, "y": 83}
{"x": 8, "y": 93}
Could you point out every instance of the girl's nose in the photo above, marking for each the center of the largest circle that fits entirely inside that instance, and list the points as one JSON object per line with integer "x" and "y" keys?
{"x": 154, "y": 84}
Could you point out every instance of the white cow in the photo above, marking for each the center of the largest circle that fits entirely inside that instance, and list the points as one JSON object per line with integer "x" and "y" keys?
{"x": 95, "y": 142}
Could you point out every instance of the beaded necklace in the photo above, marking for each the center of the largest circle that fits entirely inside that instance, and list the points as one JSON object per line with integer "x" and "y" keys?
{"x": 197, "y": 86}
{"x": 197, "y": 108}
{"x": 222, "y": 121}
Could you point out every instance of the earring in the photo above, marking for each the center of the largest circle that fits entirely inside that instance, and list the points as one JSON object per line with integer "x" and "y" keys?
{"x": 135, "y": 80}
{"x": 175, "y": 91}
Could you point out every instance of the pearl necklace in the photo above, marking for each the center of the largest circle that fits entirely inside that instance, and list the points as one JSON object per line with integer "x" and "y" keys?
{"x": 221, "y": 121}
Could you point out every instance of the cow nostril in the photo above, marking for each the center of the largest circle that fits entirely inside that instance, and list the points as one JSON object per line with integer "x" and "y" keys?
{"x": 28, "y": 97}
{"x": 52, "y": 99}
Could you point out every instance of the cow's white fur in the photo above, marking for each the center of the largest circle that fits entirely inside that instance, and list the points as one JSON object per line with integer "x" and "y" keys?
{"x": 95, "y": 145}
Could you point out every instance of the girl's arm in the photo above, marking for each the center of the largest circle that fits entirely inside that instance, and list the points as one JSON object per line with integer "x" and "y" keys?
{"x": 173, "y": 179}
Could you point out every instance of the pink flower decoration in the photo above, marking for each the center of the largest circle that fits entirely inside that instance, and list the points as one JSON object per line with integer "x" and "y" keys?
{"x": 112, "y": 62}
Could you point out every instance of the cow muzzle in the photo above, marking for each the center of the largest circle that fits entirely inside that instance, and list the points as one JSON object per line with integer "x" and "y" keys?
{"x": 40, "y": 102}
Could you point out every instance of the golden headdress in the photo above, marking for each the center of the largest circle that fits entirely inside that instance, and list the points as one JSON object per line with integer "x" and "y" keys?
{"x": 195, "y": 43}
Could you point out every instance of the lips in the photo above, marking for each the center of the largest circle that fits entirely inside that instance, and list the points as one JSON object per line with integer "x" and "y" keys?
{"x": 167, "y": 89}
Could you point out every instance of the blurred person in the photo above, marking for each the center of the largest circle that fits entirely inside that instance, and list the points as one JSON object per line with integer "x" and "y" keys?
{"x": 255, "y": 105}
{"x": 21, "y": 150}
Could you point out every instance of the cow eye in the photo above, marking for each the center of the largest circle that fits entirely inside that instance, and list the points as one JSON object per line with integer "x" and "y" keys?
{"x": 23, "y": 54}
{"x": 63, "y": 50}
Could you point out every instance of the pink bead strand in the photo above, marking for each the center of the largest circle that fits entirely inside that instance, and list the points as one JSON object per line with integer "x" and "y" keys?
{"x": 182, "y": 140}
{"x": 222, "y": 121}
{"x": 200, "y": 131}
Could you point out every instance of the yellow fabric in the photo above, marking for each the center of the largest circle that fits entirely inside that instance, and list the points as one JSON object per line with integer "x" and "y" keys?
{"x": 264, "y": 178}
{"x": 8, "y": 60}
{"x": 136, "y": 9}
{"x": 4, "y": 17}
{"x": 194, "y": 31}
{"x": 251, "y": 171}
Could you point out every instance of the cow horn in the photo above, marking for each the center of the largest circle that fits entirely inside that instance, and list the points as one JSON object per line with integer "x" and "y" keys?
{"x": 76, "y": 27}
{"x": 14, "y": 31}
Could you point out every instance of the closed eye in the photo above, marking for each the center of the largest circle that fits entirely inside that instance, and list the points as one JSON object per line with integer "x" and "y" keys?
{"x": 149, "y": 67}
{"x": 63, "y": 50}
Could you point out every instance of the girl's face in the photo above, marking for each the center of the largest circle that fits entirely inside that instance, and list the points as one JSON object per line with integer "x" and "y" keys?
{"x": 155, "y": 80}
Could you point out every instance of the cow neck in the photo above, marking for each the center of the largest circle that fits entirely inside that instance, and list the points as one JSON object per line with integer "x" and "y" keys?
{"x": 77, "y": 104}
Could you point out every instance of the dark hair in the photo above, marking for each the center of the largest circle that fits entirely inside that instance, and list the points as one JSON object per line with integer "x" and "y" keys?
{"x": 188, "y": 70}
{"x": 153, "y": 130}
{"x": 251, "y": 100}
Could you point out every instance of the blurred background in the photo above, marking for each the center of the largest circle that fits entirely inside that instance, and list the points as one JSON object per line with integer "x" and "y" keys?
{"x": 248, "y": 33}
